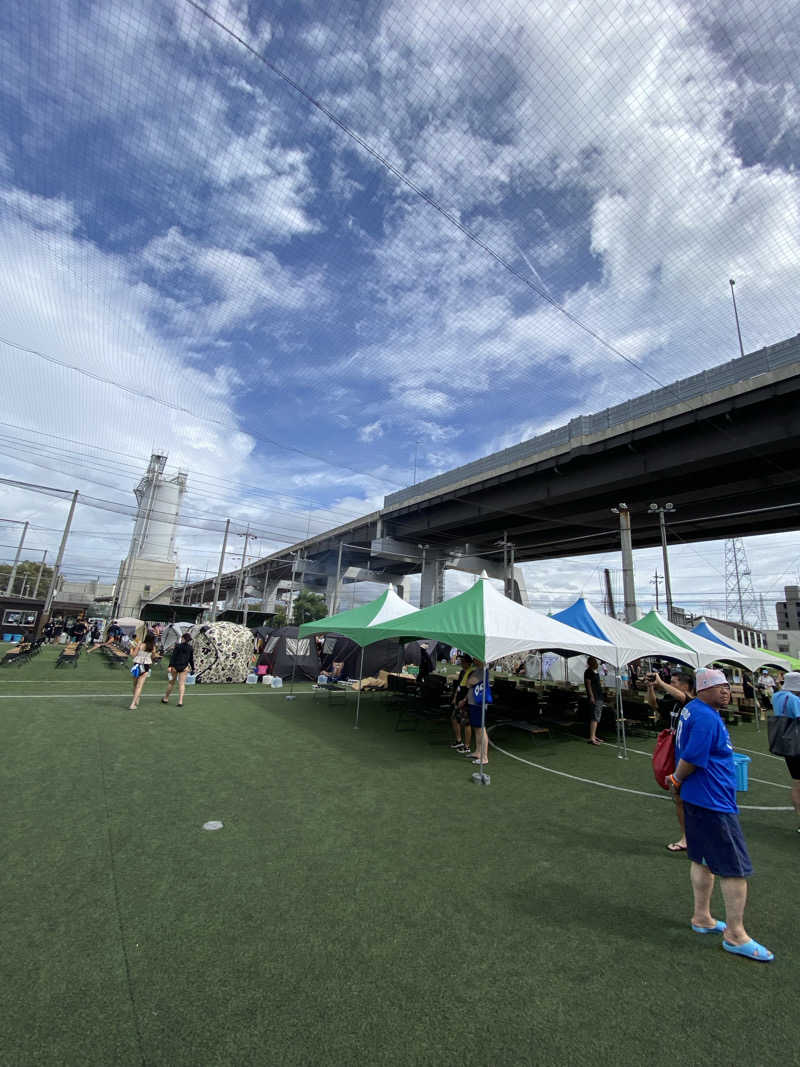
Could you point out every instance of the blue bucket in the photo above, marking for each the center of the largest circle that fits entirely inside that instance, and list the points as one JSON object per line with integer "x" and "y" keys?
{"x": 740, "y": 765}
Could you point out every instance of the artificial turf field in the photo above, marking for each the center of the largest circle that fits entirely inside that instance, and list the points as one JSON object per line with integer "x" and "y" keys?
{"x": 365, "y": 902}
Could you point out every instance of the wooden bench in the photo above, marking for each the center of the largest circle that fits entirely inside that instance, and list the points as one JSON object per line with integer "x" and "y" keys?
{"x": 69, "y": 654}
{"x": 117, "y": 657}
{"x": 21, "y": 654}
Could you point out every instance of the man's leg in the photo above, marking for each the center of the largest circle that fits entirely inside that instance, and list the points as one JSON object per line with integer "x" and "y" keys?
{"x": 456, "y": 727}
{"x": 679, "y": 846}
{"x": 702, "y": 887}
{"x": 734, "y": 892}
{"x": 171, "y": 675}
{"x": 182, "y": 685}
{"x": 468, "y": 735}
{"x": 796, "y": 795}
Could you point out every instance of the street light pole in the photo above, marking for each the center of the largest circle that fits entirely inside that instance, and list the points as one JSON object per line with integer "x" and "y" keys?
{"x": 736, "y": 314}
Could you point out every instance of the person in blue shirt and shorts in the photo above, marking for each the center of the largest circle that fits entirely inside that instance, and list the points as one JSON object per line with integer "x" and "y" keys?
{"x": 705, "y": 778}
{"x": 787, "y": 702}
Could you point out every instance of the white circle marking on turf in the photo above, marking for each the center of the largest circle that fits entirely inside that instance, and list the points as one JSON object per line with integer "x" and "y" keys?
{"x": 212, "y": 824}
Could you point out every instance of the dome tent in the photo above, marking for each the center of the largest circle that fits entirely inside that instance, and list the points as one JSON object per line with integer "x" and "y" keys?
{"x": 288, "y": 655}
{"x": 380, "y": 656}
{"x": 172, "y": 634}
{"x": 222, "y": 652}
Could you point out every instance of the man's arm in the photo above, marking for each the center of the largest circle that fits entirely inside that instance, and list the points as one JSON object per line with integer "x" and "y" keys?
{"x": 679, "y": 775}
{"x": 671, "y": 689}
{"x": 589, "y": 691}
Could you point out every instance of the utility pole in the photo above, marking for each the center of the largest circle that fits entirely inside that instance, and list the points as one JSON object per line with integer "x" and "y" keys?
{"x": 39, "y": 575}
{"x": 185, "y": 583}
{"x": 656, "y": 580}
{"x": 51, "y": 592}
{"x": 12, "y": 576}
{"x": 626, "y": 545}
{"x": 609, "y": 594}
{"x": 669, "y": 509}
{"x": 736, "y": 313}
{"x": 219, "y": 572}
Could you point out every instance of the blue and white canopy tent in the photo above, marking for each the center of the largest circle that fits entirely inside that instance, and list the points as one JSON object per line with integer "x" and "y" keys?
{"x": 627, "y": 644}
{"x": 736, "y": 652}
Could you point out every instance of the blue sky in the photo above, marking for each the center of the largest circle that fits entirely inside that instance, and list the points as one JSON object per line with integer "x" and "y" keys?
{"x": 176, "y": 217}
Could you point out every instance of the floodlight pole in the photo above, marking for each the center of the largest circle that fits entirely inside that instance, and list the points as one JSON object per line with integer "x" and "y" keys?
{"x": 13, "y": 575}
{"x": 219, "y": 572}
{"x": 39, "y": 575}
{"x": 51, "y": 592}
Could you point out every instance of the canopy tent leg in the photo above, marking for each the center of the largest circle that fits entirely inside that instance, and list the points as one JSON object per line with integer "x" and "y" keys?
{"x": 360, "y": 683}
{"x": 622, "y": 740}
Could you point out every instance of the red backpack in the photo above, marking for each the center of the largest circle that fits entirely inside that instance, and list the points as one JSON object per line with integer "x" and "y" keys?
{"x": 664, "y": 757}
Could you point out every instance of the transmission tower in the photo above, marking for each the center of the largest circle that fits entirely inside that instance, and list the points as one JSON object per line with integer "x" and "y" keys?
{"x": 762, "y": 612}
{"x": 740, "y": 599}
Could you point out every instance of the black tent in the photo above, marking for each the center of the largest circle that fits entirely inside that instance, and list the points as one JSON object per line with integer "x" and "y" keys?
{"x": 382, "y": 656}
{"x": 421, "y": 654}
{"x": 286, "y": 653}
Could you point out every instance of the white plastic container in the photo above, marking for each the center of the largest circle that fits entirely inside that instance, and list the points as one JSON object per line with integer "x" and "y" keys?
{"x": 277, "y": 683}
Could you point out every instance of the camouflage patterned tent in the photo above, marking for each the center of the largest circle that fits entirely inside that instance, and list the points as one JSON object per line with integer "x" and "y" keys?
{"x": 223, "y": 652}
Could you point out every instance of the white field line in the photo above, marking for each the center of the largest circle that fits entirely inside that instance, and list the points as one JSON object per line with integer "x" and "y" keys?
{"x": 616, "y": 788}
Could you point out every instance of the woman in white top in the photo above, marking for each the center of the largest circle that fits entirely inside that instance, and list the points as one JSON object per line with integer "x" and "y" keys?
{"x": 143, "y": 658}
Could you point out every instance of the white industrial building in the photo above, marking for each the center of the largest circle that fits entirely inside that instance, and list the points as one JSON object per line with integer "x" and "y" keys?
{"x": 147, "y": 575}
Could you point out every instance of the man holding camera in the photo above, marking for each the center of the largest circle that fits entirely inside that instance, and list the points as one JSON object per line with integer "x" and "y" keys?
{"x": 677, "y": 694}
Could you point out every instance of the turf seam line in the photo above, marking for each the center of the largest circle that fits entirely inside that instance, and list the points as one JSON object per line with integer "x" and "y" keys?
{"x": 120, "y": 924}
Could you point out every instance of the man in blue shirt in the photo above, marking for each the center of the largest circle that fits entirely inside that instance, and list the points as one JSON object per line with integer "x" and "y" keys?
{"x": 786, "y": 702}
{"x": 705, "y": 778}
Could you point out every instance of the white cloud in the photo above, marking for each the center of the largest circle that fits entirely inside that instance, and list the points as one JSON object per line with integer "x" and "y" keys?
{"x": 371, "y": 431}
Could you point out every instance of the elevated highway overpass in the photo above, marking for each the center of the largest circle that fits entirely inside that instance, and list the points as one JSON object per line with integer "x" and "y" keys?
{"x": 722, "y": 446}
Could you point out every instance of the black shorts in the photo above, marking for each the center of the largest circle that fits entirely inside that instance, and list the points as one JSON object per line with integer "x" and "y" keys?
{"x": 715, "y": 838}
{"x": 793, "y": 764}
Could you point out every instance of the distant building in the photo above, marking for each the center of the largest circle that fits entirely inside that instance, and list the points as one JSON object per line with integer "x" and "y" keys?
{"x": 786, "y": 641}
{"x": 745, "y": 635}
{"x": 788, "y": 610}
{"x": 84, "y": 592}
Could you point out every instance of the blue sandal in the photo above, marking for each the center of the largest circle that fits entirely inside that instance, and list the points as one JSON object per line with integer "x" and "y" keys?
{"x": 751, "y": 949}
{"x": 717, "y": 928}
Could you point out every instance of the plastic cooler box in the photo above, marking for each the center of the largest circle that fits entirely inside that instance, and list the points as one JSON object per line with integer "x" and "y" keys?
{"x": 740, "y": 765}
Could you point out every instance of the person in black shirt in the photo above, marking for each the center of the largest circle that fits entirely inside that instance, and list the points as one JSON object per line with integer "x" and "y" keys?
{"x": 677, "y": 693}
{"x": 594, "y": 693}
{"x": 180, "y": 663}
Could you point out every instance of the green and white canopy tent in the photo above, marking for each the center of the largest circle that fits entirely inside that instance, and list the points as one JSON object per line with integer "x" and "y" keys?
{"x": 488, "y": 625}
{"x": 359, "y": 624}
